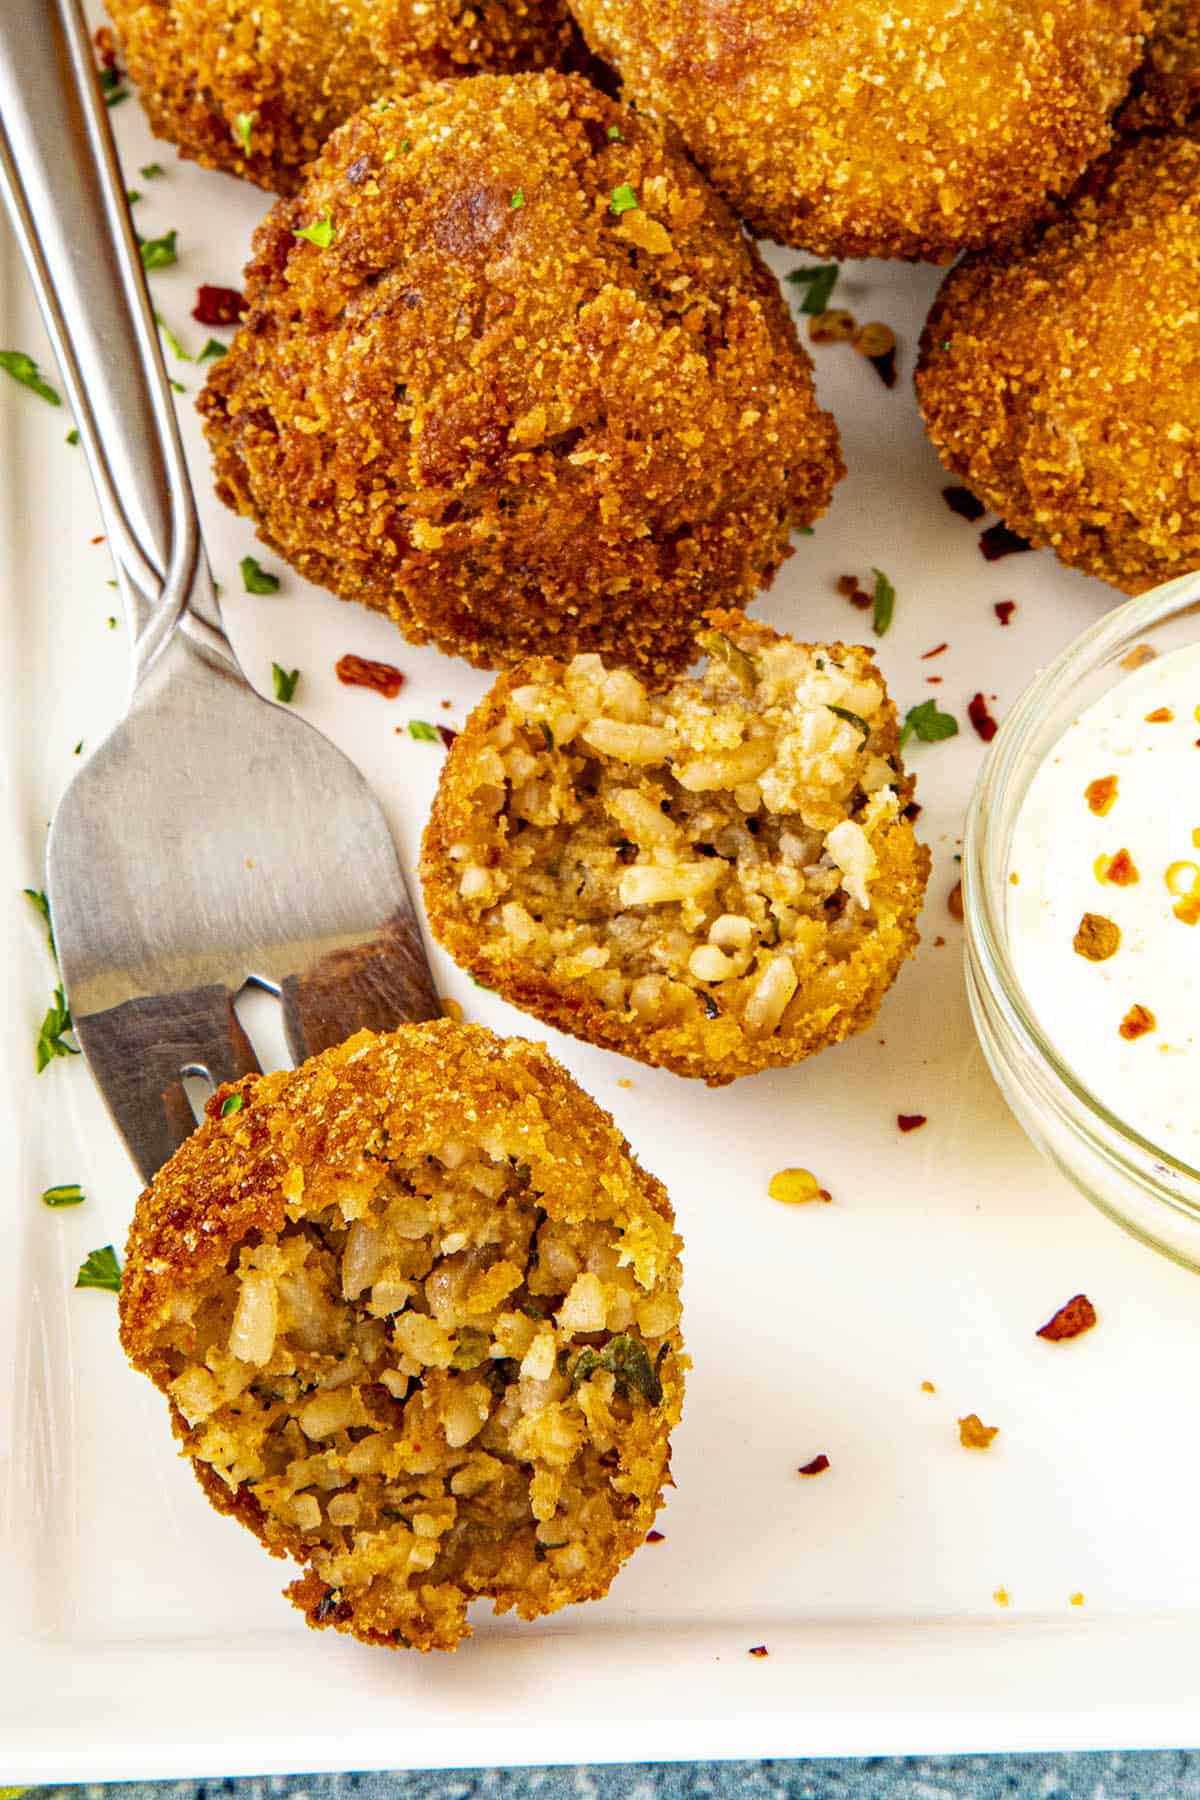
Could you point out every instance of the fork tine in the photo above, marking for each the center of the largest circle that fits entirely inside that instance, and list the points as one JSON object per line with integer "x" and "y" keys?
{"x": 369, "y": 986}
{"x": 138, "y": 1050}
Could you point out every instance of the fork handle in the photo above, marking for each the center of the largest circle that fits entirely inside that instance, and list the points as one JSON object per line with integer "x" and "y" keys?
{"x": 62, "y": 183}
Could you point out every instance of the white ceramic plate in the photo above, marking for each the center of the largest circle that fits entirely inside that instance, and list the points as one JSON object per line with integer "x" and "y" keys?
{"x": 145, "y": 1636}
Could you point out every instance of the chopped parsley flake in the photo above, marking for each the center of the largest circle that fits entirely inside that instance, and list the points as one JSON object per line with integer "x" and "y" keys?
{"x": 518, "y": 199}
{"x": 928, "y": 724}
{"x": 243, "y": 125}
{"x": 389, "y": 154}
{"x": 320, "y": 232}
{"x": 256, "y": 579}
{"x": 159, "y": 252}
{"x": 110, "y": 86}
{"x": 151, "y": 171}
{"x": 132, "y": 195}
{"x": 69, "y": 1193}
{"x": 233, "y": 1103}
{"x": 285, "y": 683}
{"x": 819, "y": 280}
{"x": 51, "y": 1041}
{"x": 22, "y": 368}
{"x": 40, "y": 904}
{"x": 172, "y": 342}
{"x": 176, "y": 386}
{"x": 547, "y": 734}
{"x": 424, "y": 733}
{"x": 213, "y": 349}
{"x": 72, "y": 436}
{"x": 614, "y": 132}
{"x": 100, "y": 1269}
{"x": 852, "y": 718}
{"x": 885, "y": 602}
{"x": 623, "y": 200}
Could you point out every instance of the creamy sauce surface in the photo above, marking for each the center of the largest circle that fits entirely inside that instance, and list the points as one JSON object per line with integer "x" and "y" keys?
{"x": 1105, "y": 944}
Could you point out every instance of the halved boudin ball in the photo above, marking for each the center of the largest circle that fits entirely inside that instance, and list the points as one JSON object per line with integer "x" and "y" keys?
{"x": 715, "y": 879}
{"x": 256, "y": 86}
{"x": 415, "y": 1307}
{"x": 1061, "y": 379}
{"x": 525, "y": 385}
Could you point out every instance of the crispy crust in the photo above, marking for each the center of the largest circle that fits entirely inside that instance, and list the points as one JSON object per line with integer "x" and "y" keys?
{"x": 519, "y": 427}
{"x": 1061, "y": 380}
{"x": 1166, "y": 89}
{"x": 713, "y": 1050}
{"x": 335, "y": 1120}
{"x": 301, "y": 67}
{"x": 868, "y": 131}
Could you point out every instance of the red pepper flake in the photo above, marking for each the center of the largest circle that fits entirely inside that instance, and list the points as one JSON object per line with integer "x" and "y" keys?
{"x": 912, "y": 811}
{"x": 1162, "y": 715}
{"x": 218, "y": 306}
{"x": 1004, "y": 610}
{"x": 1077, "y": 1316}
{"x": 962, "y": 501}
{"x": 981, "y": 718}
{"x": 1136, "y": 1023}
{"x": 99, "y": 539}
{"x": 817, "y": 1466}
{"x": 998, "y": 541}
{"x": 910, "y": 1121}
{"x": 106, "y": 47}
{"x": 928, "y": 655}
{"x": 1101, "y": 794}
{"x": 1120, "y": 869}
{"x": 848, "y": 586}
{"x": 656, "y": 1537}
{"x": 934, "y": 680}
{"x": 446, "y": 734}
{"x": 359, "y": 671}
{"x": 757, "y": 1650}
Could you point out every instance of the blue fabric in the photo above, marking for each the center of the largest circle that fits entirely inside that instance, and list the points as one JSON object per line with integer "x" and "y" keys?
{"x": 1141, "y": 1775}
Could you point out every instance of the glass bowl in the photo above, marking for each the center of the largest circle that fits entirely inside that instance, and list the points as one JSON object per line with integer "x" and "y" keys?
{"x": 1137, "y": 1183}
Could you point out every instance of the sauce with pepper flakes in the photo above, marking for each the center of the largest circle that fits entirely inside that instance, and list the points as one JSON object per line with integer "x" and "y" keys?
{"x": 1114, "y": 981}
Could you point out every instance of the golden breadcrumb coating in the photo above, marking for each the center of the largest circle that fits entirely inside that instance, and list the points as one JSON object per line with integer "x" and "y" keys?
{"x": 1166, "y": 89}
{"x": 1061, "y": 379}
{"x": 415, "y": 1307}
{"x": 513, "y": 412}
{"x": 256, "y": 89}
{"x": 716, "y": 879}
{"x": 867, "y": 130}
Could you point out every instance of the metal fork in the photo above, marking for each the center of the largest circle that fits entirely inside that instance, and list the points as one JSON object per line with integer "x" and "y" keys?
{"x": 214, "y": 838}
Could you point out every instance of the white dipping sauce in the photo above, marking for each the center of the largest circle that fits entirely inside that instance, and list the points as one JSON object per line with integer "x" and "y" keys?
{"x": 1151, "y": 1081}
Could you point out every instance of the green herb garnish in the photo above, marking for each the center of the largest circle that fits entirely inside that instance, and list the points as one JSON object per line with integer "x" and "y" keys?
{"x": 173, "y": 343}
{"x": 819, "y": 281}
{"x": 547, "y": 734}
{"x": 159, "y": 252}
{"x": 320, "y": 232}
{"x": 232, "y": 1103}
{"x": 285, "y": 683}
{"x": 928, "y": 724}
{"x": 424, "y": 734}
{"x": 852, "y": 718}
{"x": 68, "y": 1194}
{"x": 540, "y": 1547}
{"x": 256, "y": 579}
{"x": 41, "y": 905}
{"x": 100, "y": 1269}
{"x": 213, "y": 349}
{"x": 626, "y": 1358}
{"x": 132, "y": 196}
{"x": 176, "y": 386}
{"x": 110, "y": 86}
{"x": 518, "y": 199}
{"x": 151, "y": 171}
{"x": 470, "y": 1347}
{"x": 623, "y": 200}
{"x": 51, "y": 1041}
{"x": 22, "y": 368}
{"x": 723, "y": 649}
{"x": 614, "y": 133}
{"x": 72, "y": 437}
{"x": 243, "y": 125}
{"x": 885, "y": 602}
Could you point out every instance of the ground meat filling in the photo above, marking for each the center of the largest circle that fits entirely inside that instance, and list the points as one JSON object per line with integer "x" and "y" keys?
{"x": 709, "y": 856}
{"x": 433, "y": 1390}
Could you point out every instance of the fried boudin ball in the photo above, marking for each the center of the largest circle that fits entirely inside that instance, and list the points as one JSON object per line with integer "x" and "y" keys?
{"x": 716, "y": 879}
{"x": 416, "y": 1311}
{"x": 257, "y": 88}
{"x": 1166, "y": 89}
{"x": 855, "y": 129}
{"x": 530, "y": 390}
{"x": 1061, "y": 380}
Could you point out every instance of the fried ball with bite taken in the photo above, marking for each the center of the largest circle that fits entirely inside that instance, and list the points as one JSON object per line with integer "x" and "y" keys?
{"x": 1060, "y": 380}
{"x": 256, "y": 89}
{"x": 525, "y": 386}
{"x": 1166, "y": 89}
{"x": 858, "y": 129}
{"x": 715, "y": 879}
{"x": 415, "y": 1308}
